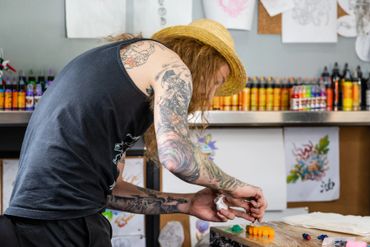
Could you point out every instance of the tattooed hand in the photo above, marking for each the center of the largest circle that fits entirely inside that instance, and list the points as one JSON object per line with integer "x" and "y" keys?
{"x": 250, "y": 198}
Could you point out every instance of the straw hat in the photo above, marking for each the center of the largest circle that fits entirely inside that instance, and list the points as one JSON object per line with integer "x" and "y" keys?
{"x": 216, "y": 35}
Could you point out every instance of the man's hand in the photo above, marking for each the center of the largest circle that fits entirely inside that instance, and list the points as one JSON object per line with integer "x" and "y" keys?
{"x": 250, "y": 195}
{"x": 203, "y": 207}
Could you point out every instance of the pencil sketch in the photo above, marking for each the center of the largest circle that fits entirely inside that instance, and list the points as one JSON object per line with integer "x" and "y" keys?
{"x": 362, "y": 14}
{"x": 316, "y": 12}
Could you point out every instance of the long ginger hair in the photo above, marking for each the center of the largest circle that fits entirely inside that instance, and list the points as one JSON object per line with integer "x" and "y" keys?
{"x": 203, "y": 62}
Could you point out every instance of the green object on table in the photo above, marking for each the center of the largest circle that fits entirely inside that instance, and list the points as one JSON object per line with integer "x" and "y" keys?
{"x": 236, "y": 229}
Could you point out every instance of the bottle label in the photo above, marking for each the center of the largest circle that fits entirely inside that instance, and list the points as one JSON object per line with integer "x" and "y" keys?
{"x": 246, "y": 99}
{"x": 8, "y": 99}
{"x": 347, "y": 96}
{"x": 15, "y": 100}
{"x": 368, "y": 98}
{"x": 2, "y": 99}
{"x": 29, "y": 103}
{"x": 21, "y": 100}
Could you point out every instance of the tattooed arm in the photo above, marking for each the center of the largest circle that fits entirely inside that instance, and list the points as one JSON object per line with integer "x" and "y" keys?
{"x": 138, "y": 200}
{"x": 171, "y": 81}
{"x": 130, "y": 198}
{"x": 173, "y": 90}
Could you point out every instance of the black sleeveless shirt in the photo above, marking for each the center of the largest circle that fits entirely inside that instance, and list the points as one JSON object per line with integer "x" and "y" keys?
{"x": 79, "y": 131}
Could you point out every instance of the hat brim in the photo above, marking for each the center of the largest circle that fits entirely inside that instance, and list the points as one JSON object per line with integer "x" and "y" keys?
{"x": 237, "y": 78}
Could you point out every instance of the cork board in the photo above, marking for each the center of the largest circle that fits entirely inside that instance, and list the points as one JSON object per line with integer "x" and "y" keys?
{"x": 273, "y": 25}
{"x": 267, "y": 24}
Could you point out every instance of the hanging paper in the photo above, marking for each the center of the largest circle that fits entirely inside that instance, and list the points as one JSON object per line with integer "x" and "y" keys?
{"x": 150, "y": 16}
{"x": 125, "y": 223}
{"x": 347, "y": 26}
{"x": 10, "y": 169}
{"x": 310, "y": 22}
{"x": 95, "y": 18}
{"x": 275, "y": 7}
{"x": 312, "y": 163}
{"x": 363, "y": 47}
{"x": 233, "y": 14}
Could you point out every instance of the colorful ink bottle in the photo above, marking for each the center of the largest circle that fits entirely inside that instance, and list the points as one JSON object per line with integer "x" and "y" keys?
{"x": 246, "y": 102}
{"x": 8, "y": 95}
{"x": 336, "y": 84}
{"x": 22, "y": 88}
{"x": 284, "y": 96}
{"x": 270, "y": 94}
{"x": 262, "y": 95}
{"x": 329, "y": 96}
{"x": 235, "y": 102}
{"x": 14, "y": 95}
{"x": 347, "y": 91}
{"x": 356, "y": 91}
{"x": 2, "y": 94}
{"x": 277, "y": 96}
{"x": 254, "y": 95}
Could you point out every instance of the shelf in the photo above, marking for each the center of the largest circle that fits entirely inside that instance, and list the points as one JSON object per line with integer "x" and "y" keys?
{"x": 235, "y": 118}
{"x": 283, "y": 118}
{"x": 14, "y": 118}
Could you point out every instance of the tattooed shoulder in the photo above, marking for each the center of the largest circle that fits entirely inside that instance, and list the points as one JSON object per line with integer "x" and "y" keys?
{"x": 138, "y": 53}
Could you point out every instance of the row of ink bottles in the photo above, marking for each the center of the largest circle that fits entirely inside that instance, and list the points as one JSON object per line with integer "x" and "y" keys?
{"x": 348, "y": 90}
{"x": 309, "y": 97}
{"x": 259, "y": 94}
{"x": 23, "y": 93}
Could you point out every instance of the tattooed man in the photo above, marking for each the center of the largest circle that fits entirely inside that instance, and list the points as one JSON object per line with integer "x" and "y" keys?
{"x": 99, "y": 105}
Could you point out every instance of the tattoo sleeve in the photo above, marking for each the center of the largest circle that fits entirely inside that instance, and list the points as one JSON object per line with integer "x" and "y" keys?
{"x": 146, "y": 201}
{"x": 175, "y": 148}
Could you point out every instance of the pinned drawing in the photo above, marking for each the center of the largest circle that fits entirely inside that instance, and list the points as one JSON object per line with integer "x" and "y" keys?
{"x": 310, "y": 21}
{"x": 347, "y": 26}
{"x": 95, "y": 18}
{"x": 275, "y": 7}
{"x": 125, "y": 223}
{"x": 10, "y": 170}
{"x": 149, "y": 16}
{"x": 312, "y": 161}
{"x": 356, "y": 23}
{"x": 233, "y": 14}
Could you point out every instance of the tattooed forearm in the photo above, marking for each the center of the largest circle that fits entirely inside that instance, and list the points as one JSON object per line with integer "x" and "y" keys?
{"x": 146, "y": 202}
{"x": 175, "y": 148}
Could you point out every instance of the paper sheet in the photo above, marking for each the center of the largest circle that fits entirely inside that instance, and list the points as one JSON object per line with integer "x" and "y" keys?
{"x": 332, "y": 222}
{"x": 310, "y": 21}
{"x": 347, "y": 26}
{"x": 363, "y": 47}
{"x": 10, "y": 169}
{"x": 95, "y": 18}
{"x": 242, "y": 154}
{"x": 149, "y": 16}
{"x": 275, "y": 7}
{"x": 128, "y": 241}
{"x": 233, "y": 14}
{"x": 124, "y": 223}
{"x": 312, "y": 159}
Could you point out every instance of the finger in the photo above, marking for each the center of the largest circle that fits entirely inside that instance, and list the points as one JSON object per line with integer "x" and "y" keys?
{"x": 223, "y": 218}
{"x": 227, "y": 213}
{"x": 234, "y": 202}
{"x": 242, "y": 214}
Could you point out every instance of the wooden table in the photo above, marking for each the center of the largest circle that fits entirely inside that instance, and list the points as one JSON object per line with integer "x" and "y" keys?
{"x": 285, "y": 235}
